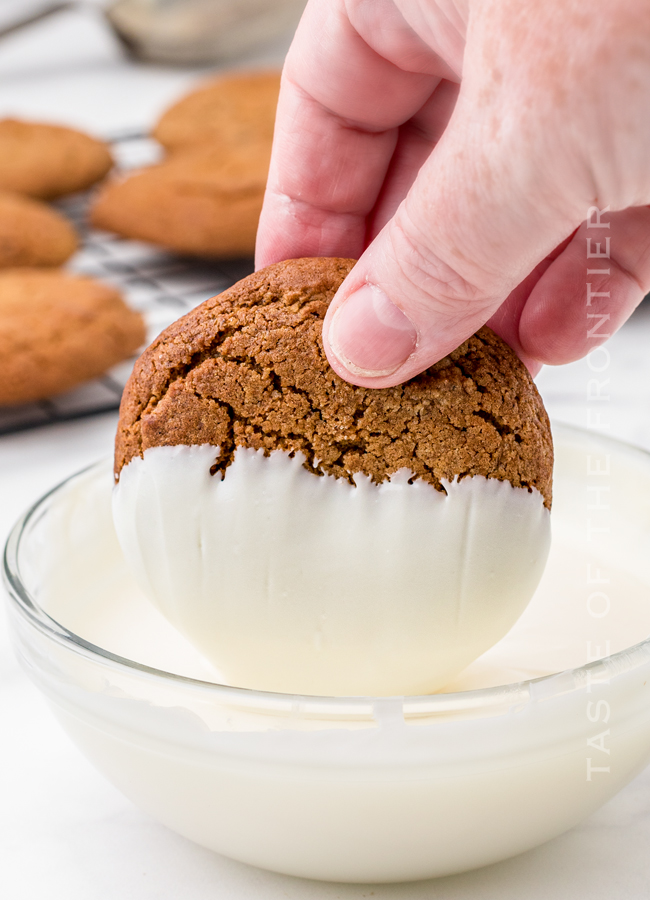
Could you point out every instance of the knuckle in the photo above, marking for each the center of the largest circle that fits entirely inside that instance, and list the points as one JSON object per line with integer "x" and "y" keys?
{"x": 428, "y": 273}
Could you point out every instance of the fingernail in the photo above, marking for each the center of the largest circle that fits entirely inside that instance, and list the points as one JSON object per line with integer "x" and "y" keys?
{"x": 371, "y": 336}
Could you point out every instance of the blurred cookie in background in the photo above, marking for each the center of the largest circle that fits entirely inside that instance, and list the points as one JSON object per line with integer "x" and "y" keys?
{"x": 48, "y": 161}
{"x": 59, "y": 330}
{"x": 33, "y": 234}
{"x": 205, "y": 198}
{"x": 231, "y": 111}
{"x": 205, "y": 201}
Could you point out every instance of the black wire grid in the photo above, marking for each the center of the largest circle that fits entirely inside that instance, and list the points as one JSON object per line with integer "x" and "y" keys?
{"x": 160, "y": 285}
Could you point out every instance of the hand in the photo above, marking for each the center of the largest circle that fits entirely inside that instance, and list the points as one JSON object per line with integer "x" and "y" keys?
{"x": 458, "y": 148}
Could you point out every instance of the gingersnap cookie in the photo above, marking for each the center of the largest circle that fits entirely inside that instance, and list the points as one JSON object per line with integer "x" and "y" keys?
{"x": 48, "y": 161}
{"x": 202, "y": 202}
{"x": 59, "y": 330}
{"x": 231, "y": 111}
{"x": 314, "y": 537}
{"x": 247, "y": 369}
{"x": 33, "y": 234}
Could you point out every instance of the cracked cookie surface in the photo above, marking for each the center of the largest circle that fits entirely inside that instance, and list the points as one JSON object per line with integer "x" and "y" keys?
{"x": 247, "y": 369}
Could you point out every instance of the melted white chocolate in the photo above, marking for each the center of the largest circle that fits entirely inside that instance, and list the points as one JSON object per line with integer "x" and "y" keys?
{"x": 291, "y": 582}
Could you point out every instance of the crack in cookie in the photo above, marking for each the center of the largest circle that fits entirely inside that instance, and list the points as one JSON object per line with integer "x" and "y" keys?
{"x": 247, "y": 369}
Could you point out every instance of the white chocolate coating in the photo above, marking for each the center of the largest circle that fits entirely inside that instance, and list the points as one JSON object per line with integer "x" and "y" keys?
{"x": 291, "y": 582}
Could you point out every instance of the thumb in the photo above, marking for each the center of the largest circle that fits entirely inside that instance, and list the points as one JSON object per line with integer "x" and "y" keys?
{"x": 474, "y": 224}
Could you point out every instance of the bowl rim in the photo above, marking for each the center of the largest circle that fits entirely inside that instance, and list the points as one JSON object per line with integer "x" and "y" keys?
{"x": 543, "y": 687}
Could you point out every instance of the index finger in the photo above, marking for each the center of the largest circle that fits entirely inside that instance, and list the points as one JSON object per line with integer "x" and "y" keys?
{"x": 340, "y": 108}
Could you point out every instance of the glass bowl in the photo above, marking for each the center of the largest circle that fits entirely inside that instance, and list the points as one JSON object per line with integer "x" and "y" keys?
{"x": 337, "y": 788}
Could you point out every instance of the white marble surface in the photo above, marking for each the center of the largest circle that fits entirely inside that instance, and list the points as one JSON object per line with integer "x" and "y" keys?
{"x": 65, "y": 833}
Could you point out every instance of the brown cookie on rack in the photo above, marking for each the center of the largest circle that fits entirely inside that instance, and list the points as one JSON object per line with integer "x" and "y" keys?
{"x": 230, "y": 111}
{"x": 59, "y": 330}
{"x": 48, "y": 161}
{"x": 33, "y": 234}
{"x": 202, "y": 202}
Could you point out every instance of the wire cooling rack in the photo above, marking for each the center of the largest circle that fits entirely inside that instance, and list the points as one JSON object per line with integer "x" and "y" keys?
{"x": 160, "y": 285}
